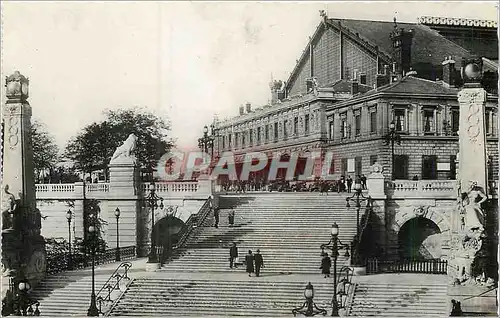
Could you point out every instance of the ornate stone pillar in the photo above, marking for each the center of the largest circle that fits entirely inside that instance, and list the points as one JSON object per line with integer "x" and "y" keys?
{"x": 23, "y": 248}
{"x": 472, "y": 138}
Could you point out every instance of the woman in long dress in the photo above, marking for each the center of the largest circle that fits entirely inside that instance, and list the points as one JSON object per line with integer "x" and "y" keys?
{"x": 249, "y": 260}
{"x": 474, "y": 216}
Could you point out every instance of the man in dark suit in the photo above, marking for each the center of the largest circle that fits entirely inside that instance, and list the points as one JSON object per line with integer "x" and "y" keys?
{"x": 259, "y": 262}
{"x": 216, "y": 216}
{"x": 233, "y": 255}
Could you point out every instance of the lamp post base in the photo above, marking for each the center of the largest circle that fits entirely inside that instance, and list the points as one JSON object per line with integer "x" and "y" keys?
{"x": 93, "y": 311}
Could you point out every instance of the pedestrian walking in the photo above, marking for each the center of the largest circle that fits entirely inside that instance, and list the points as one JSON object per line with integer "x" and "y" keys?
{"x": 363, "y": 181}
{"x": 349, "y": 184}
{"x": 233, "y": 256}
{"x": 326, "y": 264}
{"x": 230, "y": 217}
{"x": 249, "y": 262}
{"x": 216, "y": 217}
{"x": 259, "y": 262}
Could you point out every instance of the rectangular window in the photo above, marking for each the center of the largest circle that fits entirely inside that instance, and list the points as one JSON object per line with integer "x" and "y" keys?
{"x": 487, "y": 122}
{"x": 455, "y": 121}
{"x": 285, "y": 128}
{"x": 330, "y": 130}
{"x": 373, "y": 121}
{"x": 344, "y": 167}
{"x": 453, "y": 167}
{"x": 400, "y": 167}
{"x": 258, "y": 134}
{"x": 343, "y": 125}
{"x": 275, "y": 131}
{"x": 266, "y": 133}
{"x": 223, "y": 142}
{"x": 358, "y": 166}
{"x": 306, "y": 124}
{"x": 296, "y": 126}
{"x": 373, "y": 159}
{"x": 250, "y": 136}
{"x": 243, "y": 139}
{"x": 357, "y": 122}
{"x": 236, "y": 139}
{"x": 428, "y": 121}
{"x": 400, "y": 119}
{"x": 229, "y": 140}
{"x": 429, "y": 167}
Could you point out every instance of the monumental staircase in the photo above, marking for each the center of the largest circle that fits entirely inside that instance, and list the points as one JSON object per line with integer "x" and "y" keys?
{"x": 288, "y": 228}
{"x": 401, "y": 295}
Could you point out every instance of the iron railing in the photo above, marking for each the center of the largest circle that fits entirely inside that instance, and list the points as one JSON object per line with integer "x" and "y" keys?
{"x": 113, "y": 288}
{"x": 430, "y": 266}
{"x": 59, "y": 262}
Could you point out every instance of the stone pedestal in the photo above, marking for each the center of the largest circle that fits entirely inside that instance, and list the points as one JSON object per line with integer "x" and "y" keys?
{"x": 124, "y": 193}
{"x": 23, "y": 249}
{"x": 375, "y": 182}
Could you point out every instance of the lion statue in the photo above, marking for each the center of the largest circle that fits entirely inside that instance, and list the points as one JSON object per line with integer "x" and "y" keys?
{"x": 126, "y": 149}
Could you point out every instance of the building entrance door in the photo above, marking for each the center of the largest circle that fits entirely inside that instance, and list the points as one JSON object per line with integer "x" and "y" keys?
{"x": 429, "y": 167}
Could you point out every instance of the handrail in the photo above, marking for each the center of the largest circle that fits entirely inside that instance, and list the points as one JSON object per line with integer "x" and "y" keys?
{"x": 193, "y": 221}
{"x": 199, "y": 218}
{"x": 113, "y": 286}
{"x": 115, "y": 303}
{"x": 366, "y": 216}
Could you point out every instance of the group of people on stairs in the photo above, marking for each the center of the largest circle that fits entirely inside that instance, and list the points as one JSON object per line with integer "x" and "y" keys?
{"x": 253, "y": 262}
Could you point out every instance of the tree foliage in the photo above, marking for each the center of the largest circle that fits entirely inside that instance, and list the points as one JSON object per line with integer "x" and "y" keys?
{"x": 92, "y": 148}
{"x": 45, "y": 150}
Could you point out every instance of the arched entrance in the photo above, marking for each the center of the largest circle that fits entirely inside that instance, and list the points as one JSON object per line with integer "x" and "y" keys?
{"x": 165, "y": 233}
{"x": 419, "y": 239}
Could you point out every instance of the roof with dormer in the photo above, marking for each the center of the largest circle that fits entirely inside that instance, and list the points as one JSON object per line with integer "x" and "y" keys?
{"x": 428, "y": 46}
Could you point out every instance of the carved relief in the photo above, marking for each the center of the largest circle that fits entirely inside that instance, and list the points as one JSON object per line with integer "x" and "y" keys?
{"x": 473, "y": 122}
{"x": 13, "y": 131}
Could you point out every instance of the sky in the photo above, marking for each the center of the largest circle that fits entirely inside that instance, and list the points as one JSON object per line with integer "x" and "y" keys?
{"x": 184, "y": 61}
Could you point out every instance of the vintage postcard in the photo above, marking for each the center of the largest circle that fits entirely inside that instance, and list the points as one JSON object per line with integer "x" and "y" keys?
{"x": 261, "y": 159}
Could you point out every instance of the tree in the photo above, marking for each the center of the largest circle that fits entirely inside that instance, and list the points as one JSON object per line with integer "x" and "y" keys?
{"x": 45, "y": 150}
{"x": 91, "y": 149}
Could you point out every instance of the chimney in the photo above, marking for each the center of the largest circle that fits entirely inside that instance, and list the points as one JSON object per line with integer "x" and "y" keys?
{"x": 242, "y": 110}
{"x": 382, "y": 79}
{"x": 449, "y": 71}
{"x": 249, "y": 107}
{"x": 354, "y": 87}
{"x": 277, "y": 93}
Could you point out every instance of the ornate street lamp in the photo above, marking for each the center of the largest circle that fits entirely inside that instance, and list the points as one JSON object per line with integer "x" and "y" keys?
{"x": 152, "y": 199}
{"x": 335, "y": 244}
{"x": 392, "y": 137}
{"x": 207, "y": 141}
{"x": 309, "y": 308}
{"x": 358, "y": 197}
{"x": 93, "y": 311}
{"x": 23, "y": 305}
{"x": 117, "y": 256}
{"x": 70, "y": 258}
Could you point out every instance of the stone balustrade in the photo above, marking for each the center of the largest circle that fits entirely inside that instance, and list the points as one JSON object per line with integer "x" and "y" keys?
{"x": 427, "y": 189}
{"x": 422, "y": 188}
{"x": 166, "y": 187}
{"x": 62, "y": 187}
{"x": 176, "y": 189}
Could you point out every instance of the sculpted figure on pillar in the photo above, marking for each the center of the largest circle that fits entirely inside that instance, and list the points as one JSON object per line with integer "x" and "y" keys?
{"x": 125, "y": 151}
{"x": 474, "y": 214}
{"x": 9, "y": 206}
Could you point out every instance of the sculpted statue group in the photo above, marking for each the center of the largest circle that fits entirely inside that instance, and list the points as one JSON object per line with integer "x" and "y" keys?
{"x": 469, "y": 242}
